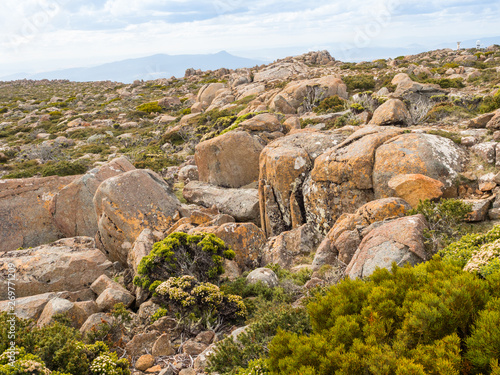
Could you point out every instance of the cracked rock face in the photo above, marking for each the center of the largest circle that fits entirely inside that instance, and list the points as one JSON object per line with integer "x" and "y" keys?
{"x": 25, "y": 217}
{"x": 128, "y": 203}
{"x": 284, "y": 166}
{"x": 70, "y": 264}
{"x": 73, "y": 209}
{"x": 399, "y": 241}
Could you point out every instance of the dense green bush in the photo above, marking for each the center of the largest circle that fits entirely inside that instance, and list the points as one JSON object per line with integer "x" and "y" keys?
{"x": 152, "y": 107}
{"x": 421, "y": 320}
{"x": 331, "y": 104}
{"x": 359, "y": 82}
{"x": 461, "y": 251}
{"x": 57, "y": 348}
{"x": 490, "y": 103}
{"x": 63, "y": 168}
{"x": 230, "y": 355}
{"x": 445, "y": 219}
{"x": 200, "y": 255}
{"x": 201, "y": 302}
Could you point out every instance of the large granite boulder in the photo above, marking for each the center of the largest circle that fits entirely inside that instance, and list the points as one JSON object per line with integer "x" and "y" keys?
{"x": 73, "y": 207}
{"x": 70, "y": 264}
{"x": 284, "y": 166}
{"x": 400, "y": 241}
{"x": 301, "y": 96}
{"x": 343, "y": 239}
{"x": 126, "y": 205}
{"x": 416, "y": 153}
{"x": 25, "y": 217}
{"x": 229, "y": 160}
{"x": 341, "y": 180}
{"x": 242, "y": 204}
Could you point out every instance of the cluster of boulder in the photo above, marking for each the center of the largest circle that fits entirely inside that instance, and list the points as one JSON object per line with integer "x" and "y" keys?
{"x": 275, "y": 193}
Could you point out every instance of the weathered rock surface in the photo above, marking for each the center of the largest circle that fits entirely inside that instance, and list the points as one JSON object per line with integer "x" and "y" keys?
{"x": 246, "y": 239}
{"x": 111, "y": 296}
{"x": 494, "y": 122}
{"x": 28, "y": 307}
{"x": 290, "y": 247}
{"x": 344, "y": 238}
{"x": 341, "y": 179}
{"x": 126, "y": 205}
{"x": 426, "y": 154}
{"x": 399, "y": 241}
{"x": 264, "y": 275}
{"x": 70, "y": 264}
{"x": 265, "y": 122}
{"x": 284, "y": 165}
{"x": 73, "y": 208}
{"x": 299, "y": 96}
{"x": 415, "y": 187}
{"x": 25, "y": 218}
{"x": 242, "y": 204}
{"x": 229, "y": 160}
{"x": 392, "y": 112}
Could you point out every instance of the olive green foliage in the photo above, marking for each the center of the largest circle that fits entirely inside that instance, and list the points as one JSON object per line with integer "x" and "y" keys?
{"x": 200, "y": 255}
{"x": 490, "y": 103}
{"x": 152, "y": 107}
{"x": 356, "y": 108}
{"x": 460, "y": 252}
{"x": 230, "y": 356}
{"x": 201, "y": 302}
{"x": 446, "y": 109}
{"x": 160, "y": 313}
{"x": 154, "y": 158}
{"x": 4, "y": 110}
{"x": 31, "y": 168}
{"x": 430, "y": 319}
{"x": 298, "y": 278}
{"x": 359, "y": 82}
{"x": 456, "y": 138}
{"x": 445, "y": 219}
{"x": 331, "y": 104}
{"x": 57, "y": 348}
{"x": 63, "y": 168}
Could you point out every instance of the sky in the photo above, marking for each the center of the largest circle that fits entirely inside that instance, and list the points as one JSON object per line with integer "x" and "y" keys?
{"x": 41, "y": 35}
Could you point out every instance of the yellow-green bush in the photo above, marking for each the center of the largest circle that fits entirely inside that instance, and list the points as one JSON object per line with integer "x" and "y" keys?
{"x": 200, "y": 255}
{"x": 421, "y": 320}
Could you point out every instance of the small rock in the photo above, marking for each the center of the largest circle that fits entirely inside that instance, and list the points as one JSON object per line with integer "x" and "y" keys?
{"x": 144, "y": 362}
{"x": 266, "y": 275}
{"x": 109, "y": 297}
{"x": 192, "y": 347}
{"x": 154, "y": 369}
{"x": 494, "y": 214}
{"x": 480, "y": 209}
{"x": 205, "y": 337}
{"x": 163, "y": 347}
{"x": 416, "y": 187}
{"x": 142, "y": 343}
{"x": 187, "y": 371}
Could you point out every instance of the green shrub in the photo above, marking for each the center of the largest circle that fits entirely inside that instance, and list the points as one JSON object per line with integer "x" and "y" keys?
{"x": 152, "y": 107}
{"x": 63, "y": 168}
{"x": 445, "y": 221}
{"x": 331, "y": 104}
{"x": 484, "y": 343}
{"x": 490, "y": 103}
{"x": 3, "y": 110}
{"x": 200, "y": 255}
{"x": 403, "y": 321}
{"x": 460, "y": 252}
{"x": 229, "y": 356}
{"x": 199, "y": 300}
{"x": 56, "y": 347}
{"x": 160, "y": 313}
{"x": 359, "y": 82}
